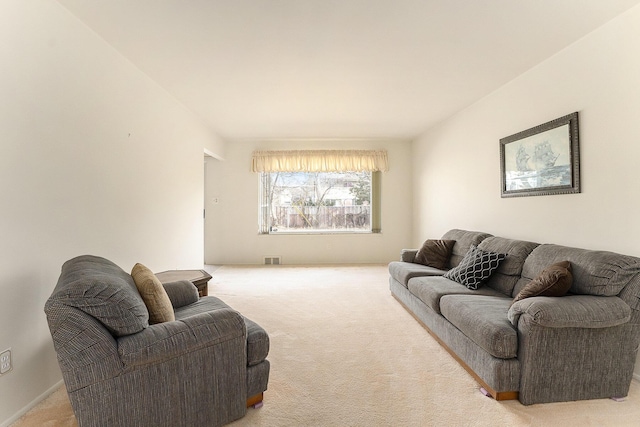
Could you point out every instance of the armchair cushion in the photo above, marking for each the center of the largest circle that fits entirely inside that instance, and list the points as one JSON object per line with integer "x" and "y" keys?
{"x": 168, "y": 340}
{"x": 257, "y": 338}
{"x": 181, "y": 293}
{"x": 153, "y": 294}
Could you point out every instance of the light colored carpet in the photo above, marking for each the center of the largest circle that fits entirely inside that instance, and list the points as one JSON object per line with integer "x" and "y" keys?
{"x": 345, "y": 353}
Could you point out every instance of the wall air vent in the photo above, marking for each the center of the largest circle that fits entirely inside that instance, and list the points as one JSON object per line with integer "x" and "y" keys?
{"x": 272, "y": 260}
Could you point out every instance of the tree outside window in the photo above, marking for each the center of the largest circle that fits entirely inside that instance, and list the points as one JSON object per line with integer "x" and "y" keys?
{"x": 323, "y": 202}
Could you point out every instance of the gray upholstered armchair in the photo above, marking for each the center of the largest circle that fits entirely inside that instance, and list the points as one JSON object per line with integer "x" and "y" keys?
{"x": 203, "y": 369}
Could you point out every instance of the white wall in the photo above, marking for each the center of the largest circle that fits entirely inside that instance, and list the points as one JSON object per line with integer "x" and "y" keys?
{"x": 457, "y": 170}
{"x": 232, "y": 224}
{"x": 95, "y": 158}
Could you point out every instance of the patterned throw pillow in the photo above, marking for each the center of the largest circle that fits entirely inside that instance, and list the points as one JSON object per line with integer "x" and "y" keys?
{"x": 476, "y": 266}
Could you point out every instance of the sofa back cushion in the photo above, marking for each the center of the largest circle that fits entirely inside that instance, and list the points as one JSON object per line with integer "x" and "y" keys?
{"x": 475, "y": 268}
{"x": 594, "y": 272}
{"x": 554, "y": 281}
{"x": 104, "y": 291}
{"x": 464, "y": 240}
{"x": 504, "y": 279}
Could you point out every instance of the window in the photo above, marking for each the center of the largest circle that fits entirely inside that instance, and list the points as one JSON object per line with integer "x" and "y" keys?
{"x": 318, "y": 202}
{"x": 319, "y": 191}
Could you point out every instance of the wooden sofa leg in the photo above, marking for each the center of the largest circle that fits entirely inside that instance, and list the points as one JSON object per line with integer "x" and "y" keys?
{"x": 255, "y": 401}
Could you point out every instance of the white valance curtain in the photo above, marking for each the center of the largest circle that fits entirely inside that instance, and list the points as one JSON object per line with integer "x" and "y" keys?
{"x": 320, "y": 161}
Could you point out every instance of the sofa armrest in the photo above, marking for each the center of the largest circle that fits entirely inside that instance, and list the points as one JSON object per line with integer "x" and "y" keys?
{"x": 164, "y": 341}
{"x": 576, "y": 311}
{"x": 408, "y": 255}
{"x": 181, "y": 293}
{"x": 574, "y": 347}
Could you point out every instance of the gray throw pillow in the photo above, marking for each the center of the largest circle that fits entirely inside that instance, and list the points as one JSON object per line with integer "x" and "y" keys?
{"x": 435, "y": 253}
{"x": 476, "y": 267}
{"x": 554, "y": 281}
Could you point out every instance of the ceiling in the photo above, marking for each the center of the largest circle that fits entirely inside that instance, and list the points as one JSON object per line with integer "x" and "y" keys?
{"x": 270, "y": 69}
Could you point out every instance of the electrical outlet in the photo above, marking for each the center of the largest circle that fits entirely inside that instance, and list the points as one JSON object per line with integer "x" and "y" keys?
{"x": 5, "y": 361}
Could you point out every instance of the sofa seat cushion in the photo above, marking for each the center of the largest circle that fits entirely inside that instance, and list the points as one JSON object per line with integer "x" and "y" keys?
{"x": 257, "y": 337}
{"x": 404, "y": 271}
{"x": 430, "y": 289}
{"x": 483, "y": 319}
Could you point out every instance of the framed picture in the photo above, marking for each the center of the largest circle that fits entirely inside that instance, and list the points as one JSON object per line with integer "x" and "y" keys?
{"x": 542, "y": 160}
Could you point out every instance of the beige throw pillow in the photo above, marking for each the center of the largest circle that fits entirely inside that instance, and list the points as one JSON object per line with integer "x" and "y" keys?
{"x": 153, "y": 294}
{"x": 554, "y": 281}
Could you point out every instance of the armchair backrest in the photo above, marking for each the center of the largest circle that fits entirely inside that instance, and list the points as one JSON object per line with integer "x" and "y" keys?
{"x": 93, "y": 303}
{"x": 101, "y": 289}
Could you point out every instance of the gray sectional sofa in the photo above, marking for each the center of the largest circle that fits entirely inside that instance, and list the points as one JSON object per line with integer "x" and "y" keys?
{"x": 540, "y": 349}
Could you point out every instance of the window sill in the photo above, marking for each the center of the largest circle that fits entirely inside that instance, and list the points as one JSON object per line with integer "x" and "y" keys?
{"x": 315, "y": 233}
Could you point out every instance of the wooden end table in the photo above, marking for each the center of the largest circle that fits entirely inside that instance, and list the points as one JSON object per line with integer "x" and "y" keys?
{"x": 200, "y": 278}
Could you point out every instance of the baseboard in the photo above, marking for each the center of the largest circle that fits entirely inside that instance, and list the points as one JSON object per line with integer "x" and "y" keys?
{"x": 34, "y": 402}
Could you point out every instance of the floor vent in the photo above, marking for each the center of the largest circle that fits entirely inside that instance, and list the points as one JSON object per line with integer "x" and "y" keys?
{"x": 272, "y": 260}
